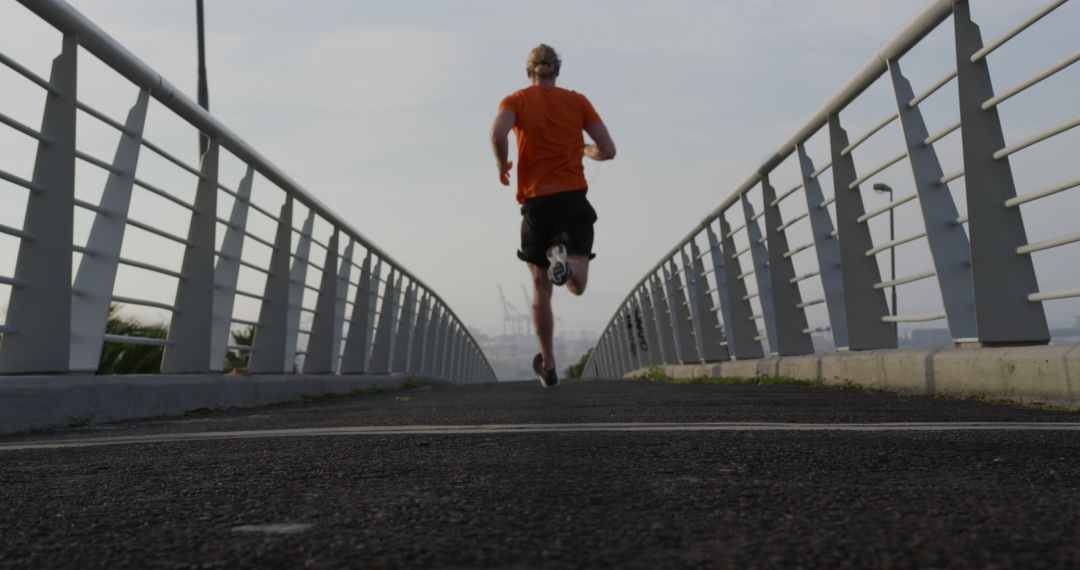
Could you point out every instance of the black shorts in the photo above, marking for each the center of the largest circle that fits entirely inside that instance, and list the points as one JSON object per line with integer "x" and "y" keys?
{"x": 566, "y": 218}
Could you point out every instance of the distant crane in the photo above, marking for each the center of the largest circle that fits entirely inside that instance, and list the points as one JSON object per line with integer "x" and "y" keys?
{"x": 515, "y": 322}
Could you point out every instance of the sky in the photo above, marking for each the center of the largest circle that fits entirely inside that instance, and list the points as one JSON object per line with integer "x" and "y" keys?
{"x": 382, "y": 111}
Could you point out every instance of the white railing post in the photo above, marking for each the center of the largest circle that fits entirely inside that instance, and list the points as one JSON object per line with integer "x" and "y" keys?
{"x": 96, "y": 277}
{"x": 227, "y": 272}
{"x": 39, "y": 314}
{"x": 192, "y": 326}
{"x": 268, "y": 348}
{"x": 320, "y": 347}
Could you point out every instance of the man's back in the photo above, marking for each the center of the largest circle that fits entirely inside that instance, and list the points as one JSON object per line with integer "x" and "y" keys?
{"x": 548, "y": 128}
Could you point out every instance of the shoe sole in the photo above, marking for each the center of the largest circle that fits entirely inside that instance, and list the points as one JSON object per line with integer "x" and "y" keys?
{"x": 559, "y": 272}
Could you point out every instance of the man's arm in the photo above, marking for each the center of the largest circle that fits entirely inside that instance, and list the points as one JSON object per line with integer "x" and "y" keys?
{"x": 604, "y": 149}
{"x": 504, "y": 121}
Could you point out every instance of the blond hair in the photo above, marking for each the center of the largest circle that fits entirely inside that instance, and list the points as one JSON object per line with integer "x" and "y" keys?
{"x": 543, "y": 62}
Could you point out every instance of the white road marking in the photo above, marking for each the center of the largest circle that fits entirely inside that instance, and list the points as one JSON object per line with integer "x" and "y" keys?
{"x": 281, "y": 528}
{"x": 539, "y": 428}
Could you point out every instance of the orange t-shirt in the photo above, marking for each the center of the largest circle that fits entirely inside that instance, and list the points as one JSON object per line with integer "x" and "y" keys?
{"x": 548, "y": 132}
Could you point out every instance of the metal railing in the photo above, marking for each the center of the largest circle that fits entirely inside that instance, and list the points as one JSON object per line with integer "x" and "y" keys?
{"x": 318, "y": 296}
{"x": 747, "y": 294}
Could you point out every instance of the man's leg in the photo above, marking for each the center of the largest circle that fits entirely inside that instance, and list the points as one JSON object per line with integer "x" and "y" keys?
{"x": 541, "y": 313}
{"x": 579, "y": 276}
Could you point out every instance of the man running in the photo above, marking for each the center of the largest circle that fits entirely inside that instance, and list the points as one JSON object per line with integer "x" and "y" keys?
{"x": 557, "y": 219}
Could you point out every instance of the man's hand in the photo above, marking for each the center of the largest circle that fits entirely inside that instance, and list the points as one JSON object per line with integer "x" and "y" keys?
{"x": 504, "y": 173}
{"x": 604, "y": 149}
{"x": 504, "y": 121}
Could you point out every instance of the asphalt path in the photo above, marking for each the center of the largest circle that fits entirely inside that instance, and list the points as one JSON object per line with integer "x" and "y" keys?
{"x": 625, "y": 474}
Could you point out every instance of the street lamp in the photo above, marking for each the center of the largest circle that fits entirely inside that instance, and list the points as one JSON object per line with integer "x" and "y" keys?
{"x": 879, "y": 187}
{"x": 204, "y": 94}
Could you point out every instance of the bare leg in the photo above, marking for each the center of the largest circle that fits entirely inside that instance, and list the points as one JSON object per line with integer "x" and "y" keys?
{"x": 541, "y": 313}
{"x": 579, "y": 277}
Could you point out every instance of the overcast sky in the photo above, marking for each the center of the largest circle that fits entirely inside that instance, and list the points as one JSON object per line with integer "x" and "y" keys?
{"x": 382, "y": 110}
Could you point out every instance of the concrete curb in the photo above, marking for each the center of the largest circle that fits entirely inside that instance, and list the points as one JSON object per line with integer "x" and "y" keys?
{"x": 39, "y": 402}
{"x": 1035, "y": 374}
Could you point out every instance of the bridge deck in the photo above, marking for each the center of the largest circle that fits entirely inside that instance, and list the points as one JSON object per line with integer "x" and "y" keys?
{"x": 555, "y": 495}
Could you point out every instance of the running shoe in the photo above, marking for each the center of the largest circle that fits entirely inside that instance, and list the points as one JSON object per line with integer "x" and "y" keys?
{"x": 547, "y": 377}
{"x": 559, "y": 266}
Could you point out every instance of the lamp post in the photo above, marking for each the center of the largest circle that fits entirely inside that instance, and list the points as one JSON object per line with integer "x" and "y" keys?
{"x": 879, "y": 187}
{"x": 204, "y": 94}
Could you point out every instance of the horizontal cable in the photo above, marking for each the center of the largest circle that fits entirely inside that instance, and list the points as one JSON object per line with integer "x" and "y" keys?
{"x": 97, "y": 162}
{"x": 989, "y": 48}
{"x": 306, "y": 286}
{"x": 155, "y": 190}
{"x": 124, "y": 339}
{"x": 877, "y": 170}
{"x": 950, "y": 177}
{"x": 801, "y": 248}
{"x": 961, "y": 220}
{"x": 264, "y": 212}
{"x": 11, "y": 281}
{"x": 40, "y": 81}
{"x": 803, "y": 277}
{"x": 785, "y": 195}
{"x": 806, "y": 304}
{"x": 21, "y": 182}
{"x": 165, "y": 154}
{"x": 16, "y": 232}
{"x": 757, "y": 216}
{"x": 734, "y": 231}
{"x": 820, "y": 171}
{"x": 873, "y": 131}
{"x": 1035, "y": 139}
{"x": 158, "y": 232}
{"x": 306, "y": 310}
{"x": 792, "y": 221}
{"x": 740, "y": 252}
{"x": 240, "y": 347}
{"x": 745, "y": 275}
{"x": 154, "y": 268}
{"x": 1051, "y": 295}
{"x": 755, "y": 317}
{"x": 825, "y": 203}
{"x": 816, "y": 329}
{"x": 749, "y": 296}
{"x": 891, "y": 244}
{"x": 103, "y": 118}
{"x": 311, "y": 238}
{"x": 760, "y": 338}
{"x": 258, "y": 239}
{"x": 252, "y": 266}
{"x": 34, "y": 134}
{"x": 941, "y": 134}
{"x": 243, "y": 293}
{"x": 1048, "y": 244}
{"x": 92, "y": 207}
{"x": 1014, "y": 202}
{"x": 144, "y": 303}
{"x": 932, "y": 89}
{"x": 1020, "y": 88}
{"x": 913, "y": 318}
{"x": 244, "y": 322}
{"x": 890, "y": 206}
{"x": 903, "y": 280}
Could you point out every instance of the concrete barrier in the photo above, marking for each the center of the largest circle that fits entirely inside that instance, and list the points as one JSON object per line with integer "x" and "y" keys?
{"x": 1035, "y": 374}
{"x": 39, "y": 402}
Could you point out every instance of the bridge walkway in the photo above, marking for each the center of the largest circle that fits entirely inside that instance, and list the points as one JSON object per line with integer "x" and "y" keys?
{"x": 691, "y": 476}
